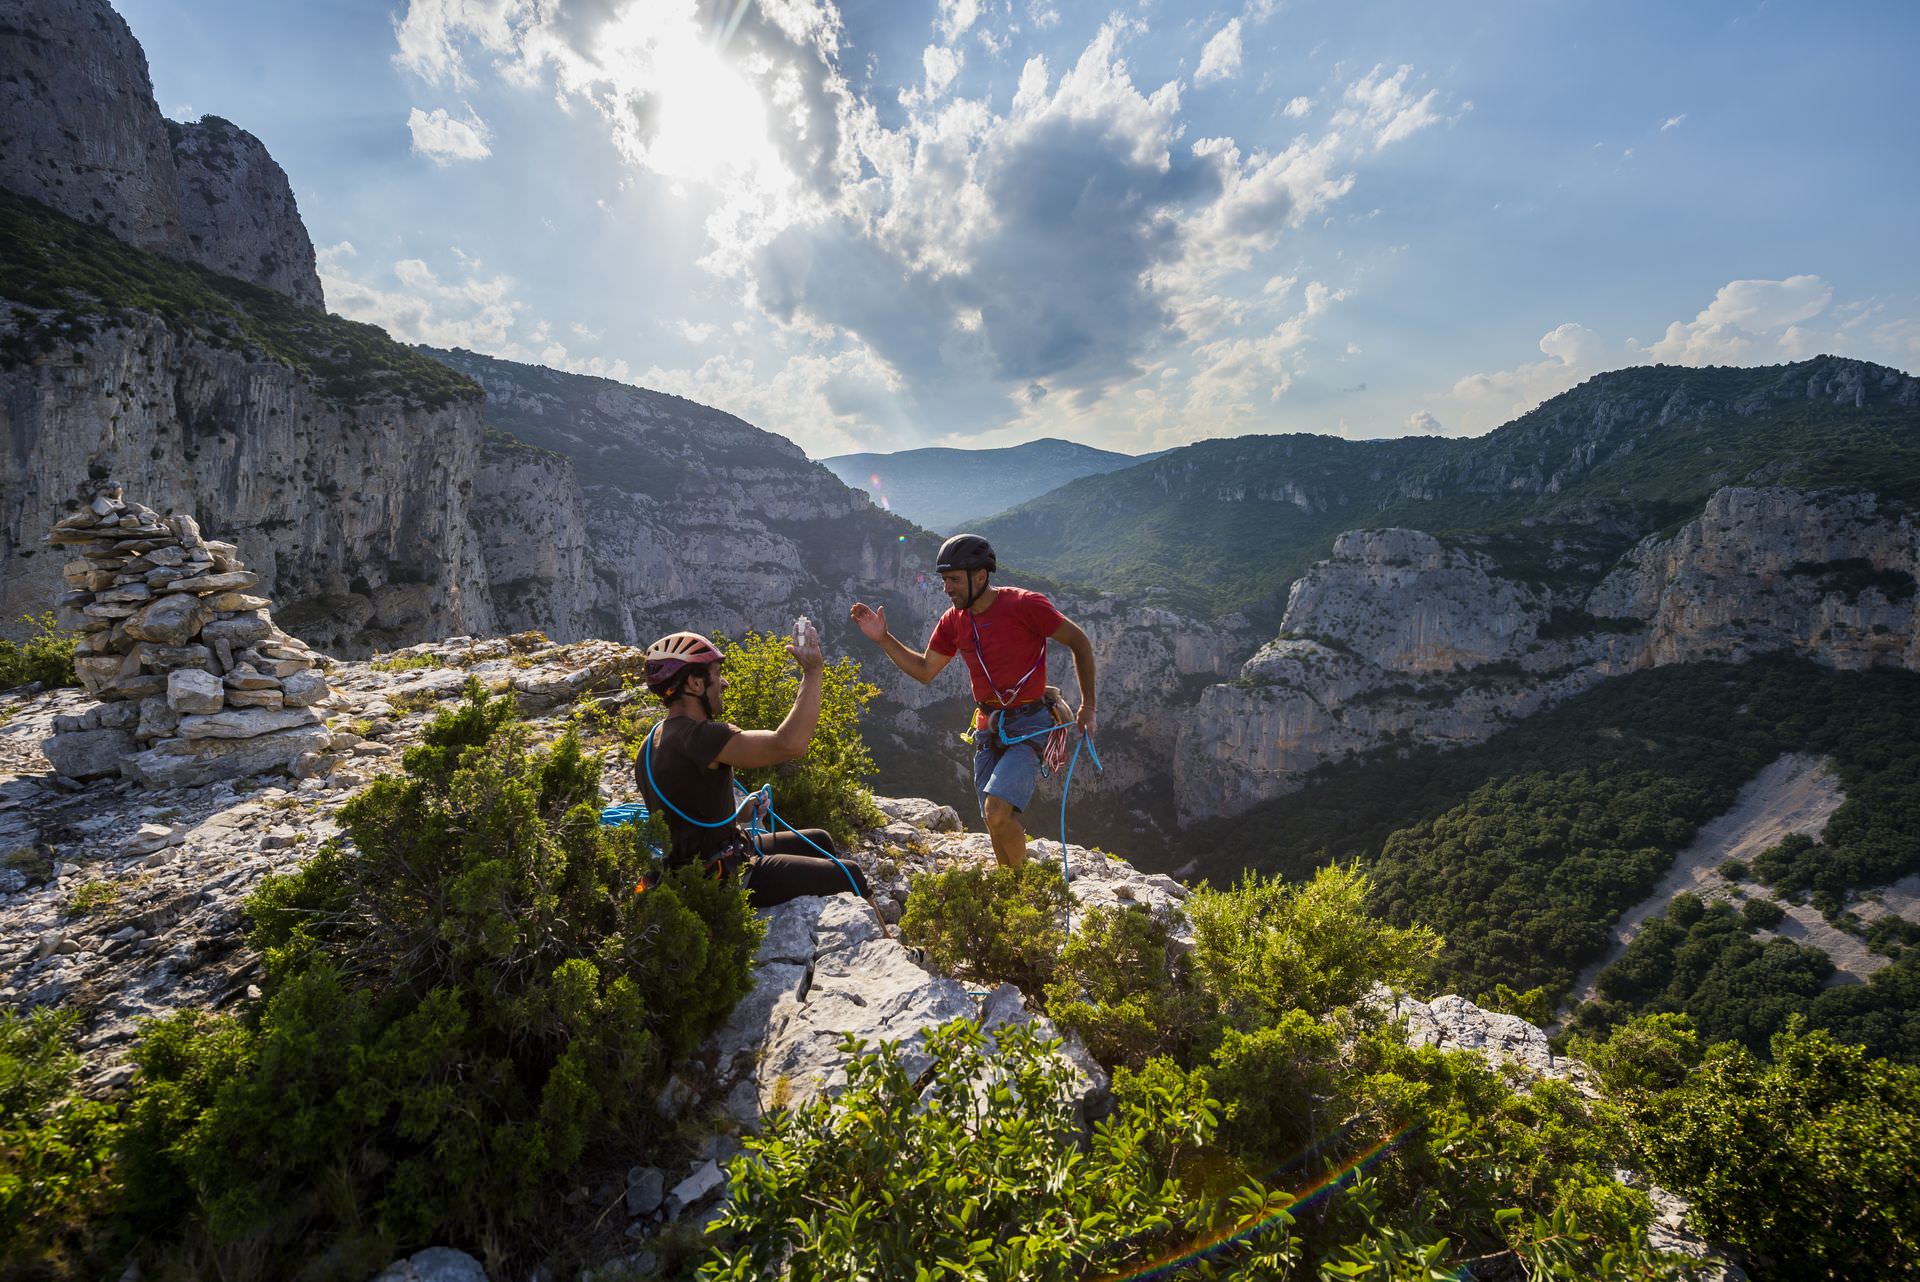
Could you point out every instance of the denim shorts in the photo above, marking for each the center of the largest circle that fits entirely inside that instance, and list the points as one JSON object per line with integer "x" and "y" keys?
{"x": 1010, "y": 773}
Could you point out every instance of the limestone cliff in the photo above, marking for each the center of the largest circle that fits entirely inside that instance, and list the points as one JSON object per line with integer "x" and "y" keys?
{"x": 80, "y": 131}
{"x": 238, "y": 212}
{"x": 360, "y": 535}
{"x": 1397, "y": 639}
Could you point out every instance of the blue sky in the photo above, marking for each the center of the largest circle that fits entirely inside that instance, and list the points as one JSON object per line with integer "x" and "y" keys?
{"x": 872, "y": 225}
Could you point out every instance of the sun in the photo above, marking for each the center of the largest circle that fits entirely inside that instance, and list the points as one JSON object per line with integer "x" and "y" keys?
{"x": 701, "y": 118}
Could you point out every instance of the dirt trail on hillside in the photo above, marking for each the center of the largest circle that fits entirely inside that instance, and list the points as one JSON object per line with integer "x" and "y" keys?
{"x": 1797, "y": 793}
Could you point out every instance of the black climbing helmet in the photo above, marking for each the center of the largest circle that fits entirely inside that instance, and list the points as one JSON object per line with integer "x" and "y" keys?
{"x": 966, "y": 552}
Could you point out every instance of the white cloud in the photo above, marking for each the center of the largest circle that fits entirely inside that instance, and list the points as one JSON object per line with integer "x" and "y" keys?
{"x": 1672, "y": 122}
{"x": 444, "y": 138}
{"x": 941, "y": 65}
{"x": 825, "y": 404}
{"x": 1734, "y": 328}
{"x": 697, "y": 332}
{"x": 1297, "y": 108}
{"x": 477, "y": 312}
{"x": 1220, "y": 60}
{"x": 955, "y": 17}
{"x": 1748, "y": 322}
{"x": 1421, "y": 422}
{"x": 981, "y": 266}
{"x": 1384, "y": 110}
{"x": 1484, "y": 401}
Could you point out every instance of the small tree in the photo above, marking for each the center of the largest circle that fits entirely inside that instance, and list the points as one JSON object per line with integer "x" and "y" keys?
{"x": 56, "y": 1151}
{"x": 1807, "y": 1163}
{"x": 827, "y": 788}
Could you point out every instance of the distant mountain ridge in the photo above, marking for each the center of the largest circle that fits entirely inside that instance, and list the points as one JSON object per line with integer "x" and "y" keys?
{"x": 945, "y": 489}
{"x": 1228, "y": 525}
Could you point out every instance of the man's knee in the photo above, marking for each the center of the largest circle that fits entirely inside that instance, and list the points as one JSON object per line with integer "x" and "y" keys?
{"x": 1001, "y": 814}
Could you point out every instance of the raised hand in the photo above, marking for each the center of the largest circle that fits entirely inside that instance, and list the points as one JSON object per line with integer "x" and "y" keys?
{"x": 871, "y": 622}
{"x": 807, "y": 652}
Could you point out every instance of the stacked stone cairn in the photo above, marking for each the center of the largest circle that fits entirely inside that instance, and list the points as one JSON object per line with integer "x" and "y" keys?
{"x": 195, "y": 682}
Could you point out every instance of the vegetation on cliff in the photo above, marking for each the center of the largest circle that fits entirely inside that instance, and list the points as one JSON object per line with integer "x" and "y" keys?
{"x": 66, "y": 281}
{"x": 1522, "y": 851}
{"x": 1269, "y": 1120}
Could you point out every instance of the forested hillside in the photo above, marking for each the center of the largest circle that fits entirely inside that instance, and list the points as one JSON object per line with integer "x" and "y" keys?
{"x": 1522, "y": 851}
{"x": 1555, "y": 495}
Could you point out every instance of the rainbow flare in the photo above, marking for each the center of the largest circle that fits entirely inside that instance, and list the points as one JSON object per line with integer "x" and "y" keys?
{"x": 1165, "y": 1265}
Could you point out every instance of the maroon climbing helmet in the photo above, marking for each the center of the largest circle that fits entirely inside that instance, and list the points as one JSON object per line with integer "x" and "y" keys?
{"x": 675, "y": 651}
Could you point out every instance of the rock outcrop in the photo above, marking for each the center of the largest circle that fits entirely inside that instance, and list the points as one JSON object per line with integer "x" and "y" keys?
{"x": 80, "y": 131}
{"x": 195, "y": 681}
{"x": 237, "y": 210}
{"x": 1397, "y": 639}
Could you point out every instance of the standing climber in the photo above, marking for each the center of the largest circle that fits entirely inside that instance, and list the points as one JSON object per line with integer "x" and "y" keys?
{"x": 1004, "y": 633}
{"x": 685, "y": 768}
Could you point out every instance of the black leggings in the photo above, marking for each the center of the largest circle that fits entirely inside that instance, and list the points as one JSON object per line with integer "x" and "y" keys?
{"x": 788, "y": 868}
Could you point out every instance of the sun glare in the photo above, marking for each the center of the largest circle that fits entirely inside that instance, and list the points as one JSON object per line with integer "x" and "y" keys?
{"x": 706, "y": 119}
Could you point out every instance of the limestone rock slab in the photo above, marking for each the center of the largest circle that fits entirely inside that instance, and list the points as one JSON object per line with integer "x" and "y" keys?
{"x": 245, "y": 723}
{"x": 89, "y": 754}
{"x": 190, "y": 690}
{"x": 184, "y": 763}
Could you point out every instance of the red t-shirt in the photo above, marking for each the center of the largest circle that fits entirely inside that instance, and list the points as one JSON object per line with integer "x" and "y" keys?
{"x": 1013, "y": 634}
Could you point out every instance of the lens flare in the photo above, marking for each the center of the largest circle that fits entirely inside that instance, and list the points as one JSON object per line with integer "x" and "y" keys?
{"x": 874, "y": 480}
{"x": 1325, "y": 1186}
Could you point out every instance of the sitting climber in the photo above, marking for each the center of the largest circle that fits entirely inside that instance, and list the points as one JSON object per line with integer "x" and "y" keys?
{"x": 685, "y": 769}
{"x": 1003, "y": 632}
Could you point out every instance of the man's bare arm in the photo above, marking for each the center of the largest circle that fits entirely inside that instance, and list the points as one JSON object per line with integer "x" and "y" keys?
{"x": 1070, "y": 635}
{"x": 922, "y": 666}
{"x": 752, "y": 748}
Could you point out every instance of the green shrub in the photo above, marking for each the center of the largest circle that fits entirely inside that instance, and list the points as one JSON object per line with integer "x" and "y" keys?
{"x": 1762, "y": 914}
{"x": 978, "y": 1169}
{"x": 1807, "y": 1163}
{"x": 56, "y": 1176}
{"x": 45, "y": 656}
{"x": 1647, "y": 1053}
{"x": 990, "y": 925}
{"x": 986, "y": 1173}
{"x": 406, "y": 662}
{"x": 1124, "y": 988}
{"x": 1266, "y": 947}
{"x": 453, "y": 1006}
{"x": 827, "y": 788}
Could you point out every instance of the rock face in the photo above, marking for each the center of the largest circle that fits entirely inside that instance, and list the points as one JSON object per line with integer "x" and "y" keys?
{"x": 1397, "y": 639}
{"x": 361, "y": 536}
{"x": 78, "y": 126}
{"x": 238, "y": 212}
{"x": 190, "y": 681}
{"x": 79, "y": 130}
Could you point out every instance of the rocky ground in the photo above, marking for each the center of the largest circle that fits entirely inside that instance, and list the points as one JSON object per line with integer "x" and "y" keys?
{"x": 124, "y": 902}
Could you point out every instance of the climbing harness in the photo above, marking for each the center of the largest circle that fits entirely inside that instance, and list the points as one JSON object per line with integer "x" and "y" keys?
{"x": 1056, "y": 734}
